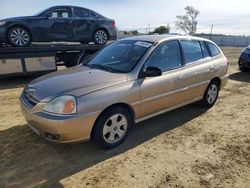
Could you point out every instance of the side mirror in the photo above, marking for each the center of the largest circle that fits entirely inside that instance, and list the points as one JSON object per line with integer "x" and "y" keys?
{"x": 152, "y": 72}
{"x": 49, "y": 15}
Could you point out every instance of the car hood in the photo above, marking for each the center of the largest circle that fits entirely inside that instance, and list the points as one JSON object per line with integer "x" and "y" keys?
{"x": 76, "y": 81}
{"x": 20, "y": 18}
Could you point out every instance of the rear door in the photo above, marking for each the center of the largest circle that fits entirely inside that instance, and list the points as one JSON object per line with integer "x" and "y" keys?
{"x": 198, "y": 67}
{"x": 84, "y": 24}
{"x": 159, "y": 93}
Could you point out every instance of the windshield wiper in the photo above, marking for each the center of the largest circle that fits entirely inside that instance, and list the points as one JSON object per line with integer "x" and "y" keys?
{"x": 102, "y": 67}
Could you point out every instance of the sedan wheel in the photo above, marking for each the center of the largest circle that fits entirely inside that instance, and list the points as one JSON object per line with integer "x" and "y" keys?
{"x": 211, "y": 94}
{"x": 19, "y": 37}
{"x": 100, "y": 37}
{"x": 115, "y": 128}
{"x": 112, "y": 127}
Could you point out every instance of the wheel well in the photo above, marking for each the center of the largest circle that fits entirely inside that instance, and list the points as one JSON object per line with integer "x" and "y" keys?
{"x": 218, "y": 80}
{"x": 102, "y": 28}
{"x": 123, "y": 105}
{"x": 18, "y": 25}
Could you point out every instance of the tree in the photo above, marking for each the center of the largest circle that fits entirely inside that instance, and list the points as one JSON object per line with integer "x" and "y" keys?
{"x": 188, "y": 22}
{"x": 135, "y": 32}
{"x": 162, "y": 29}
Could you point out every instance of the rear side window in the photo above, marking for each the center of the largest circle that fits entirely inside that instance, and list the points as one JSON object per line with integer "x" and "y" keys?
{"x": 191, "y": 50}
{"x": 213, "y": 49}
{"x": 166, "y": 57}
{"x": 204, "y": 50}
{"x": 81, "y": 13}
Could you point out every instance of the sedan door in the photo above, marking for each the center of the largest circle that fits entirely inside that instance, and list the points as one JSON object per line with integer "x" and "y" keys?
{"x": 169, "y": 89}
{"x": 84, "y": 24}
{"x": 59, "y": 24}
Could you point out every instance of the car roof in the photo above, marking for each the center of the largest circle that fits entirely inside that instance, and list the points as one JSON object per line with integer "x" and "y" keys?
{"x": 161, "y": 38}
{"x": 68, "y": 6}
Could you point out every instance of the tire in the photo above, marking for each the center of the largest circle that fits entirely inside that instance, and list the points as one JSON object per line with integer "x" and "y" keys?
{"x": 242, "y": 68}
{"x": 211, "y": 94}
{"x": 100, "y": 37}
{"x": 72, "y": 60}
{"x": 19, "y": 37}
{"x": 108, "y": 134}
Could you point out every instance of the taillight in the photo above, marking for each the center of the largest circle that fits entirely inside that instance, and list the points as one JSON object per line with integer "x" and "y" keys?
{"x": 113, "y": 23}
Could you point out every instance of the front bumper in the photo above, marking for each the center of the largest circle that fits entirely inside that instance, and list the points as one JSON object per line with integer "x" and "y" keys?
{"x": 58, "y": 128}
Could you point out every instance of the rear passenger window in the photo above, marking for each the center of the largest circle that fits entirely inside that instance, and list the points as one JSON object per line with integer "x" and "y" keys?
{"x": 81, "y": 13}
{"x": 192, "y": 51}
{"x": 204, "y": 50}
{"x": 213, "y": 49}
{"x": 166, "y": 57}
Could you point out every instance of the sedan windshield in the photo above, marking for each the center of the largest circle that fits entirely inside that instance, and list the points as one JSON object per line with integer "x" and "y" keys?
{"x": 121, "y": 56}
{"x": 41, "y": 12}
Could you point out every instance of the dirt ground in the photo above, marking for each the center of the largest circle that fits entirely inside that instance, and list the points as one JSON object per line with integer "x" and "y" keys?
{"x": 187, "y": 147}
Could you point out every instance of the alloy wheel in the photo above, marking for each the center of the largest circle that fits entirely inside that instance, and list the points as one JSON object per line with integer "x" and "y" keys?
{"x": 19, "y": 37}
{"x": 101, "y": 37}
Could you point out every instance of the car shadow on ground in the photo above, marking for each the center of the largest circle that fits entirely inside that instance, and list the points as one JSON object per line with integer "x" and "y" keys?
{"x": 241, "y": 77}
{"x": 15, "y": 81}
{"x": 27, "y": 160}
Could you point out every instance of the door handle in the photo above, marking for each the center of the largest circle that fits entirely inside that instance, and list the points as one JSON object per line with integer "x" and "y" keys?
{"x": 212, "y": 68}
{"x": 181, "y": 77}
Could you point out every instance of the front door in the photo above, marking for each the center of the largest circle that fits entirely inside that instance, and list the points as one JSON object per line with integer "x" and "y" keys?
{"x": 59, "y": 25}
{"x": 169, "y": 89}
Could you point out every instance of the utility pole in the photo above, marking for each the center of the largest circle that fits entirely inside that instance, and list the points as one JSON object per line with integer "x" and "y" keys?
{"x": 148, "y": 28}
{"x": 211, "y": 33}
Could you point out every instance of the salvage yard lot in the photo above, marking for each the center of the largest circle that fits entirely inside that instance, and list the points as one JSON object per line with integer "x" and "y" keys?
{"x": 187, "y": 147}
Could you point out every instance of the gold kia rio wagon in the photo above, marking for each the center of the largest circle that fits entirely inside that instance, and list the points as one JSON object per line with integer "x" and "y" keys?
{"x": 126, "y": 82}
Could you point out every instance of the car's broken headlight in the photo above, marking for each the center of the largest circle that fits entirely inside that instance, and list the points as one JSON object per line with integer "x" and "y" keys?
{"x": 62, "y": 105}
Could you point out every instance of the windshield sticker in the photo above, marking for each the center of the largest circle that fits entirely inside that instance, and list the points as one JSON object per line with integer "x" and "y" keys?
{"x": 143, "y": 44}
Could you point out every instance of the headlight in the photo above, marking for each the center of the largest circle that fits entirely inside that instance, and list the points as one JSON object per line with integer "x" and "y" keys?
{"x": 61, "y": 105}
{"x": 2, "y": 23}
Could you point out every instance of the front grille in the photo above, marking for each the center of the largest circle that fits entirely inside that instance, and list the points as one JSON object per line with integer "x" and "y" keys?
{"x": 29, "y": 100}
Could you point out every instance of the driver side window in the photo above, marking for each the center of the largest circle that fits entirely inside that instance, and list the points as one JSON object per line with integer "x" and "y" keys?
{"x": 60, "y": 13}
{"x": 166, "y": 57}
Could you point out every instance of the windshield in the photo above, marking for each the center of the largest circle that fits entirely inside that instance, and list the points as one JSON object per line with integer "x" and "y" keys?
{"x": 121, "y": 56}
{"x": 41, "y": 12}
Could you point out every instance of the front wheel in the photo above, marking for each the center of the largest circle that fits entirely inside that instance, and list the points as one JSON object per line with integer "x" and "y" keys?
{"x": 112, "y": 127}
{"x": 211, "y": 94}
{"x": 18, "y": 36}
{"x": 100, "y": 37}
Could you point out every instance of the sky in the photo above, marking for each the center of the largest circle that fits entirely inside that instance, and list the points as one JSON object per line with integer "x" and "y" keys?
{"x": 228, "y": 16}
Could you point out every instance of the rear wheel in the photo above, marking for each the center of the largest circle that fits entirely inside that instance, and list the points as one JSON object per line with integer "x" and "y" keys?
{"x": 112, "y": 127}
{"x": 18, "y": 36}
{"x": 100, "y": 37}
{"x": 211, "y": 94}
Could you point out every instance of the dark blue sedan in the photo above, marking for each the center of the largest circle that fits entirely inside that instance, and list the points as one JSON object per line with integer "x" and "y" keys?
{"x": 59, "y": 23}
